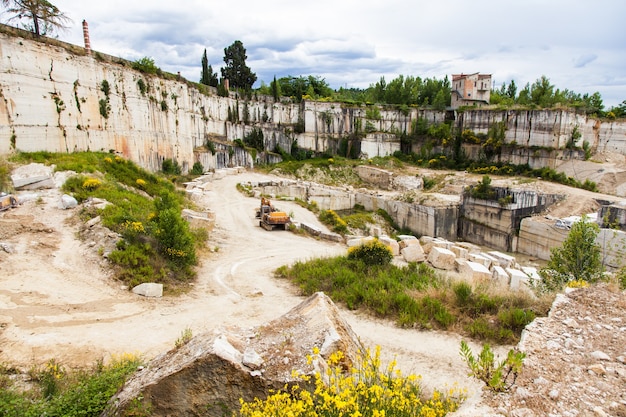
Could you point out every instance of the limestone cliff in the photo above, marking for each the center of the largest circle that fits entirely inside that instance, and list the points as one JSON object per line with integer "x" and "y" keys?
{"x": 56, "y": 97}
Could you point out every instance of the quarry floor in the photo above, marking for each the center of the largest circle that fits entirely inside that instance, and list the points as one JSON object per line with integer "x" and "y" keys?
{"x": 57, "y": 299}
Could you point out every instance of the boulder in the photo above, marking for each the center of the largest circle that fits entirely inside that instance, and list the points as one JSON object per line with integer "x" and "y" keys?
{"x": 149, "y": 289}
{"x": 32, "y": 177}
{"x": 209, "y": 374}
{"x": 67, "y": 201}
{"x": 441, "y": 258}
{"x": 413, "y": 253}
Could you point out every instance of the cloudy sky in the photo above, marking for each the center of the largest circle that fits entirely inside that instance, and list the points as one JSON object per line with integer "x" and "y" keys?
{"x": 578, "y": 45}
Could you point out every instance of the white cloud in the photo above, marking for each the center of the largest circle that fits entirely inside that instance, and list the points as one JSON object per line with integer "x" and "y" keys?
{"x": 578, "y": 46}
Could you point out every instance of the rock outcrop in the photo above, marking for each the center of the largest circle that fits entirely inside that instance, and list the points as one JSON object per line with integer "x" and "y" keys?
{"x": 209, "y": 374}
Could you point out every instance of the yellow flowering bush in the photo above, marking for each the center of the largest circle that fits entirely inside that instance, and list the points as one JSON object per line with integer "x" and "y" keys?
{"x": 366, "y": 390}
{"x": 140, "y": 183}
{"x": 577, "y": 283}
{"x": 175, "y": 253}
{"x": 108, "y": 160}
{"x": 133, "y": 228}
{"x": 91, "y": 184}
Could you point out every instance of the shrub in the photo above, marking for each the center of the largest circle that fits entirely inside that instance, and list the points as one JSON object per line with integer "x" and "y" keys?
{"x": 371, "y": 253}
{"x": 332, "y": 219}
{"x": 91, "y": 184}
{"x": 170, "y": 166}
{"x": 515, "y": 319}
{"x": 172, "y": 232}
{"x": 145, "y": 64}
{"x": 499, "y": 377}
{"x": 106, "y": 89}
{"x": 105, "y": 108}
{"x": 483, "y": 190}
{"x": 185, "y": 337}
{"x": 578, "y": 258}
{"x": 197, "y": 169}
{"x": 143, "y": 88}
{"x": 366, "y": 389}
{"x": 463, "y": 292}
{"x": 69, "y": 393}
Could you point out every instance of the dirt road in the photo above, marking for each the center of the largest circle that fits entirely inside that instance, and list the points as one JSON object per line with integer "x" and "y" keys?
{"x": 58, "y": 301}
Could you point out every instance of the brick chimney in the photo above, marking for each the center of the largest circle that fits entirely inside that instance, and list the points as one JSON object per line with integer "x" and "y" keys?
{"x": 86, "y": 37}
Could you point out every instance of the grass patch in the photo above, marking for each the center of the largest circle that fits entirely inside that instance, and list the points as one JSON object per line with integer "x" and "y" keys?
{"x": 157, "y": 244}
{"x": 329, "y": 171}
{"x": 55, "y": 391}
{"x": 416, "y": 296}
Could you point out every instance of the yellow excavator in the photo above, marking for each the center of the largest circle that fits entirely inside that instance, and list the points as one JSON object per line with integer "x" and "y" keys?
{"x": 7, "y": 201}
{"x": 270, "y": 217}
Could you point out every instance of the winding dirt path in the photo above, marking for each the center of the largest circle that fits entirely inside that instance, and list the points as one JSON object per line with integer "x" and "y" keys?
{"x": 57, "y": 301}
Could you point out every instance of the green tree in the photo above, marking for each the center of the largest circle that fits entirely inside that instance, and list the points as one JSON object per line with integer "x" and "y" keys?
{"x": 594, "y": 103}
{"x": 542, "y": 92}
{"x": 619, "y": 110}
{"x": 275, "y": 87}
{"x": 524, "y": 95}
{"x": 511, "y": 90}
{"x": 38, "y": 16}
{"x": 208, "y": 77}
{"x": 578, "y": 258}
{"x": 236, "y": 70}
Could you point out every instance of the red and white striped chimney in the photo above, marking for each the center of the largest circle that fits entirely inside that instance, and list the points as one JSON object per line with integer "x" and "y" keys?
{"x": 86, "y": 37}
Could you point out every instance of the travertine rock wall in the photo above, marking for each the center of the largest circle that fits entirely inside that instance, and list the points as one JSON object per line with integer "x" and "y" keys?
{"x": 548, "y": 128}
{"x": 54, "y": 97}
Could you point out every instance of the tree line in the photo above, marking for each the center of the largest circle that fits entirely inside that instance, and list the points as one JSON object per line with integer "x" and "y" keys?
{"x": 404, "y": 90}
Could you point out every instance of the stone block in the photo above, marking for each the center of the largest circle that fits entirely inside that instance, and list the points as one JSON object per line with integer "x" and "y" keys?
{"x": 332, "y": 237}
{"x": 442, "y": 258}
{"x": 479, "y": 258}
{"x": 491, "y": 259}
{"x": 358, "y": 241}
{"x": 413, "y": 253}
{"x": 499, "y": 275}
{"x": 474, "y": 271}
{"x": 460, "y": 252}
{"x": 471, "y": 248}
{"x": 532, "y": 273}
{"x": 391, "y": 244}
{"x": 518, "y": 278}
{"x": 406, "y": 240}
{"x": 310, "y": 228}
{"x": 149, "y": 289}
{"x": 504, "y": 260}
{"x": 442, "y": 243}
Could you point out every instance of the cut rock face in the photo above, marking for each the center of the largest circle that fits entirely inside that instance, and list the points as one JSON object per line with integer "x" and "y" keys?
{"x": 208, "y": 375}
